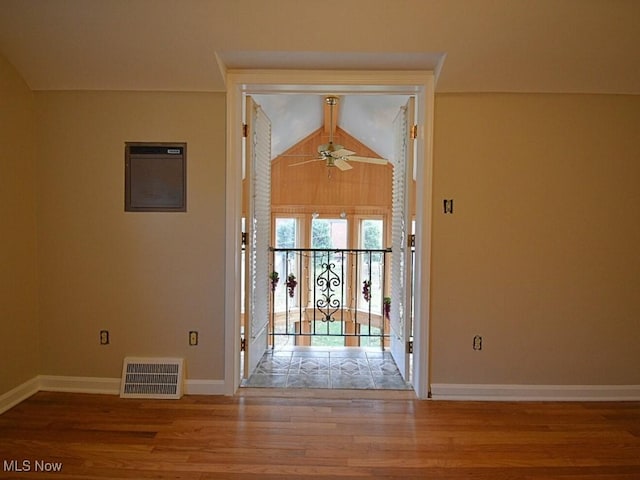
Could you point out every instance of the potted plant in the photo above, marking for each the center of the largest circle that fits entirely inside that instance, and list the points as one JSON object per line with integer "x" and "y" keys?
{"x": 387, "y": 306}
{"x": 366, "y": 290}
{"x": 291, "y": 284}
{"x": 275, "y": 278}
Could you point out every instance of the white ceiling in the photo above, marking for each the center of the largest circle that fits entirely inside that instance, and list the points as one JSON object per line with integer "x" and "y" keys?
{"x": 293, "y": 117}
{"x": 563, "y": 46}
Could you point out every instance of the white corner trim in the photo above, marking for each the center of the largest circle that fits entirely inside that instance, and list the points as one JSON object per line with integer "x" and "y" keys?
{"x": 99, "y": 385}
{"x": 205, "y": 387}
{"x": 18, "y": 394}
{"x": 488, "y": 392}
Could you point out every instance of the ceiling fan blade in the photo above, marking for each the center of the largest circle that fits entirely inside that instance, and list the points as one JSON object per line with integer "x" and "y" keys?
{"x": 377, "y": 161}
{"x": 341, "y": 152}
{"x": 306, "y": 161}
{"x": 341, "y": 164}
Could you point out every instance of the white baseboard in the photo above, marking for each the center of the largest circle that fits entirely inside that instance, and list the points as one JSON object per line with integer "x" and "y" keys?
{"x": 95, "y": 385}
{"x": 18, "y": 394}
{"x": 204, "y": 387}
{"x": 439, "y": 391}
{"x": 471, "y": 392}
{"x": 112, "y": 385}
{"x": 101, "y": 385}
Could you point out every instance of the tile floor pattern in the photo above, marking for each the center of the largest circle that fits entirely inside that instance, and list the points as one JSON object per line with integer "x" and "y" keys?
{"x": 339, "y": 369}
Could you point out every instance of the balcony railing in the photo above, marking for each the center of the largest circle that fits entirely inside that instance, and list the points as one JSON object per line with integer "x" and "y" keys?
{"x": 323, "y": 294}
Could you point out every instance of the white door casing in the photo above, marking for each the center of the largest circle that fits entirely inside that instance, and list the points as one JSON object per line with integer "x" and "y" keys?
{"x": 243, "y": 82}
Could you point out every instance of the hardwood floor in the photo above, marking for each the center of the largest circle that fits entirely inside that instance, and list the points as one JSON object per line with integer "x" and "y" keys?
{"x": 259, "y": 437}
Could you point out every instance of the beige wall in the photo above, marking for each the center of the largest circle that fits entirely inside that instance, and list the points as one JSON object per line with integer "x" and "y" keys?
{"x": 148, "y": 278}
{"x": 18, "y": 253}
{"x": 541, "y": 255}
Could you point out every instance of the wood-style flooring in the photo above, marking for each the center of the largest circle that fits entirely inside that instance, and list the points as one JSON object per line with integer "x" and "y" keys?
{"x": 262, "y": 437}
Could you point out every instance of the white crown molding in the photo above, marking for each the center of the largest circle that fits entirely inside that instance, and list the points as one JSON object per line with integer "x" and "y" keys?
{"x": 488, "y": 392}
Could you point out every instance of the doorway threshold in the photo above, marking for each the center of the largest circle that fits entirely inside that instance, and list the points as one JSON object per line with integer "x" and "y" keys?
{"x": 327, "y": 393}
{"x": 314, "y": 371}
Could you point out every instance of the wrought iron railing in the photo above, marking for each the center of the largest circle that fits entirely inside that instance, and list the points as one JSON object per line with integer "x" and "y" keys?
{"x": 330, "y": 293}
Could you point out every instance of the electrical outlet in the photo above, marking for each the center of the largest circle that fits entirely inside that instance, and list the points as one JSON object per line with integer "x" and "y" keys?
{"x": 104, "y": 337}
{"x": 193, "y": 338}
{"x": 477, "y": 342}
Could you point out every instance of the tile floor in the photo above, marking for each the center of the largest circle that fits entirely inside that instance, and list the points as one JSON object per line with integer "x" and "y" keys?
{"x": 344, "y": 368}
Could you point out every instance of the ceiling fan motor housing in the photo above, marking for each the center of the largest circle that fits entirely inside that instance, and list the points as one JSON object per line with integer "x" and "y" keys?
{"x": 329, "y": 148}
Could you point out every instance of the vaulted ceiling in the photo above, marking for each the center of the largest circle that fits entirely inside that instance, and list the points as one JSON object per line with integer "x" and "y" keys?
{"x": 563, "y": 46}
{"x": 366, "y": 117}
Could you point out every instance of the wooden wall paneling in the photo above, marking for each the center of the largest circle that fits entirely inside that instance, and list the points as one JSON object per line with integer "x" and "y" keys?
{"x": 310, "y": 185}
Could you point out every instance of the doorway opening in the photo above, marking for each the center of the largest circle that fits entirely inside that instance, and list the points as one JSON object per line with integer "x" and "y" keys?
{"x": 417, "y": 86}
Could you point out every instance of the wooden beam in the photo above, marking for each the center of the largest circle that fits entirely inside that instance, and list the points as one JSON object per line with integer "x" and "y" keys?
{"x": 328, "y": 124}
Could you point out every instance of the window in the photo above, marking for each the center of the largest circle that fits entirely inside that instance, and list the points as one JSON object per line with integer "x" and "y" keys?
{"x": 371, "y": 265}
{"x": 329, "y": 233}
{"x": 330, "y": 271}
{"x": 286, "y": 263}
{"x": 329, "y": 266}
{"x": 286, "y": 233}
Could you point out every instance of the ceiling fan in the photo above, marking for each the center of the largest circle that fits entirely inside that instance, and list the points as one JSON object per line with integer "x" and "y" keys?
{"x": 336, "y": 155}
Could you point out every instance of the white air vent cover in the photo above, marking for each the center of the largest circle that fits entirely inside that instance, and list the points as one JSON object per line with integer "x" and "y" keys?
{"x": 152, "y": 378}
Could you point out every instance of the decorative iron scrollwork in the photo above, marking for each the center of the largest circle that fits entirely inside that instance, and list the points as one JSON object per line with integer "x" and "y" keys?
{"x": 329, "y": 282}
